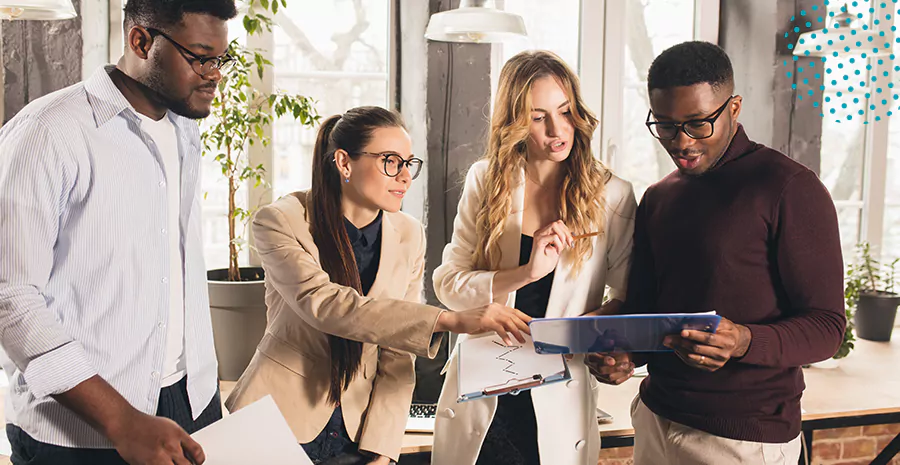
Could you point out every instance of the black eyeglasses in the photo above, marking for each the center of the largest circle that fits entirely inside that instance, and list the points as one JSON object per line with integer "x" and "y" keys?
{"x": 201, "y": 65}
{"x": 394, "y": 163}
{"x": 695, "y": 128}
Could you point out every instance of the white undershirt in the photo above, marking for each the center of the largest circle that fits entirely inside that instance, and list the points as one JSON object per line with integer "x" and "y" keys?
{"x": 163, "y": 134}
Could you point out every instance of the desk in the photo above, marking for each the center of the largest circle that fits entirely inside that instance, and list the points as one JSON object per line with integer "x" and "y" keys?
{"x": 863, "y": 390}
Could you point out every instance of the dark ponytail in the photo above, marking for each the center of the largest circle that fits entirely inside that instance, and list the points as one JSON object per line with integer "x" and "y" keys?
{"x": 350, "y": 132}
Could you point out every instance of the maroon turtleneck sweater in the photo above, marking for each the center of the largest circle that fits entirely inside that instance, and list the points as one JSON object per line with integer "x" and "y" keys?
{"x": 755, "y": 239}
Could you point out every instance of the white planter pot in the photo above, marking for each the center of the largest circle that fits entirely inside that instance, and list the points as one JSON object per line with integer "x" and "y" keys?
{"x": 238, "y": 312}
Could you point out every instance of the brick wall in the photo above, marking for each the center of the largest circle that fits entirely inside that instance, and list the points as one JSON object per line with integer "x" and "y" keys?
{"x": 842, "y": 446}
{"x": 852, "y": 446}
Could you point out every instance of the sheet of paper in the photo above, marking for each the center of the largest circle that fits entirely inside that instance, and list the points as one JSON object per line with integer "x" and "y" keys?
{"x": 257, "y": 433}
{"x": 487, "y": 362}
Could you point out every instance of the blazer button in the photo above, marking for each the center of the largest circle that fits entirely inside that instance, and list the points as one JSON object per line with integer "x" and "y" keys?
{"x": 579, "y": 445}
{"x": 449, "y": 413}
{"x": 572, "y": 383}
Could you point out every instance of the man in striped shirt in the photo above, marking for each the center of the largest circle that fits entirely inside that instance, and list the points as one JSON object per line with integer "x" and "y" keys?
{"x": 103, "y": 307}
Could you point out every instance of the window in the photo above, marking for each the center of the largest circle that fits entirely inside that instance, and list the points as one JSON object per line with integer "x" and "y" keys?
{"x": 555, "y": 29}
{"x": 841, "y": 168}
{"x": 891, "y": 237}
{"x": 653, "y": 26}
{"x": 860, "y": 154}
{"x": 337, "y": 53}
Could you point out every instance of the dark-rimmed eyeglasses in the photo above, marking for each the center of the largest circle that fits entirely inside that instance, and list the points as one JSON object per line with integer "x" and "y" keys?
{"x": 201, "y": 65}
{"x": 695, "y": 129}
{"x": 394, "y": 163}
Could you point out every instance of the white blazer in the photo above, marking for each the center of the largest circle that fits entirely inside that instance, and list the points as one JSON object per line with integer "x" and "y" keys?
{"x": 566, "y": 412}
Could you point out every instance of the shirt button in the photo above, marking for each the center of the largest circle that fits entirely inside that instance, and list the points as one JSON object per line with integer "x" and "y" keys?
{"x": 164, "y": 280}
{"x": 572, "y": 383}
{"x": 579, "y": 445}
{"x": 160, "y": 324}
{"x": 163, "y": 230}
{"x": 162, "y": 184}
{"x": 155, "y": 374}
{"x": 449, "y": 413}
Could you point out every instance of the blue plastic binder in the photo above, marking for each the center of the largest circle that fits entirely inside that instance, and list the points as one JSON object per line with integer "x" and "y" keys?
{"x": 615, "y": 333}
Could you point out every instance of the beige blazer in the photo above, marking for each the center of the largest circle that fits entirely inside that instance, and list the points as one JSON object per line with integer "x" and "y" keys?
{"x": 292, "y": 362}
{"x": 566, "y": 412}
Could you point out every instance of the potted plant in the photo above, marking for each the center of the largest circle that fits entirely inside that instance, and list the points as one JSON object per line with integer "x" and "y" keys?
{"x": 871, "y": 289}
{"x": 240, "y": 114}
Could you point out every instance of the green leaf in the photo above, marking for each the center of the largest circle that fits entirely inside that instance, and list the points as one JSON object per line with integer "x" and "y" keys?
{"x": 265, "y": 3}
{"x": 275, "y": 7}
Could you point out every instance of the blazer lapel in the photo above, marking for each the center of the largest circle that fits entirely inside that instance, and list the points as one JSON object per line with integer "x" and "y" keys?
{"x": 388, "y": 261}
{"x": 563, "y": 286}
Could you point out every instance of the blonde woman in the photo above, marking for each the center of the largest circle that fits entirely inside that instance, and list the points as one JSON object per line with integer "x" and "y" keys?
{"x": 537, "y": 186}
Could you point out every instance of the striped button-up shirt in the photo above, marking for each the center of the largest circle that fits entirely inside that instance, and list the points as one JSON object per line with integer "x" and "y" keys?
{"x": 84, "y": 258}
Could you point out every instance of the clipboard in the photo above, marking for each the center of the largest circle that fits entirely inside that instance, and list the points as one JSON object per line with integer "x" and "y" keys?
{"x": 615, "y": 333}
{"x": 487, "y": 368}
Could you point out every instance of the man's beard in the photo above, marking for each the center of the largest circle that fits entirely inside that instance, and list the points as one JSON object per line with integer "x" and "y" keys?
{"x": 156, "y": 83}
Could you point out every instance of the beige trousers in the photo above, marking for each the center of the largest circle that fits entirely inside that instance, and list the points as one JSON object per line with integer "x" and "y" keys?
{"x": 658, "y": 441}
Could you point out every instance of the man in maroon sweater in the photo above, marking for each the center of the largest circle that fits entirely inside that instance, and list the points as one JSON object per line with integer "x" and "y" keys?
{"x": 741, "y": 229}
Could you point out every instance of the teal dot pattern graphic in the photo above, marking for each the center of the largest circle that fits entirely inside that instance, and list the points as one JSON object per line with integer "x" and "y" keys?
{"x": 857, "y": 66}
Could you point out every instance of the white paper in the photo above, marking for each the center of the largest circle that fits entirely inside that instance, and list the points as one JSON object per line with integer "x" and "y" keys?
{"x": 257, "y": 433}
{"x": 486, "y": 362}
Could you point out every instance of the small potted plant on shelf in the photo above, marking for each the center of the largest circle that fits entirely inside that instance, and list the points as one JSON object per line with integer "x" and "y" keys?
{"x": 871, "y": 291}
{"x": 240, "y": 115}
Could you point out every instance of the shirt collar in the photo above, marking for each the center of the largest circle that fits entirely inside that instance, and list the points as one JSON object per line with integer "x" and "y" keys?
{"x": 739, "y": 146}
{"x": 369, "y": 232}
{"x": 107, "y": 101}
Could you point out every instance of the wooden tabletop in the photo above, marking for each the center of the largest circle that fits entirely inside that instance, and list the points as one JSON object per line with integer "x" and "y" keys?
{"x": 865, "y": 383}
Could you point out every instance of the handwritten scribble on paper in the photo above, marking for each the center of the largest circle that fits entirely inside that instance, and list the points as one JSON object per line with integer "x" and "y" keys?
{"x": 486, "y": 363}
{"x": 502, "y": 357}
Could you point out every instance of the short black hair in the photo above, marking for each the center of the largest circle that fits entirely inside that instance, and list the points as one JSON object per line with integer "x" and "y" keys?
{"x": 162, "y": 14}
{"x": 690, "y": 63}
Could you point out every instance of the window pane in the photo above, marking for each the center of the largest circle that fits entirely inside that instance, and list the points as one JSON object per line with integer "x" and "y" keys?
{"x": 653, "y": 26}
{"x": 844, "y": 148}
{"x": 335, "y": 52}
{"x": 555, "y": 29}
{"x": 891, "y": 239}
{"x": 848, "y": 222}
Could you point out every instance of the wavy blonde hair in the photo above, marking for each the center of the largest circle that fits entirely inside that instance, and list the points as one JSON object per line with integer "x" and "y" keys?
{"x": 581, "y": 197}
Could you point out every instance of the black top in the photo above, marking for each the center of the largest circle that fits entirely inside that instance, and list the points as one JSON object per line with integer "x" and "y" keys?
{"x": 532, "y": 299}
{"x": 512, "y": 436}
{"x": 366, "y": 244}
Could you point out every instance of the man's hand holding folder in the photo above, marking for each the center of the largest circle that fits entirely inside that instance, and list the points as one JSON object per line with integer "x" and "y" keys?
{"x": 612, "y": 368}
{"x": 710, "y": 351}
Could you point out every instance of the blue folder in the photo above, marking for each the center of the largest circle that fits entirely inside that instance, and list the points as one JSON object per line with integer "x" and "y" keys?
{"x": 615, "y": 333}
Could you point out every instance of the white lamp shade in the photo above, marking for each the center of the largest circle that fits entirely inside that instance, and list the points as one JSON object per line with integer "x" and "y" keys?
{"x": 816, "y": 43}
{"x": 37, "y": 9}
{"x": 475, "y": 24}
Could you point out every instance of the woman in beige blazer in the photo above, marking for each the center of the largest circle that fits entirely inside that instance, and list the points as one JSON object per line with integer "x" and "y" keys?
{"x": 513, "y": 243}
{"x": 343, "y": 271}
